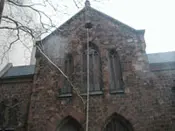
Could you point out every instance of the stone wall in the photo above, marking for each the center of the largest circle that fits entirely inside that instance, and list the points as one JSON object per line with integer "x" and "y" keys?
{"x": 165, "y": 80}
{"x": 145, "y": 102}
{"x": 19, "y": 89}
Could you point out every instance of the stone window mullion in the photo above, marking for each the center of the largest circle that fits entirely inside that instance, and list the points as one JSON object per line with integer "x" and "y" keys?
{"x": 94, "y": 72}
{"x": 94, "y": 69}
{"x": 114, "y": 72}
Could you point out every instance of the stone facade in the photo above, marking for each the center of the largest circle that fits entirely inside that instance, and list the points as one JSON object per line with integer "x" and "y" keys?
{"x": 16, "y": 89}
{"x": 146, "y": 103}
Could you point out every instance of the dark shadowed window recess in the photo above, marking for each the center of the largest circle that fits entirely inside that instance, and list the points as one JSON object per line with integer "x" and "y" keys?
{"x": 13, "y": 113}
{"x": 118, "y": 123}
{"x": 173, "y": 96}
{"x": 5, "y": 116}
{"x": 2, "y": 113}
{"x": 173, "y": 89}
{"x": 70, "y": 124}
{"x": 68, "y": 70}
{"x": 94, "y": 69}
{"x": 116, "y": 82}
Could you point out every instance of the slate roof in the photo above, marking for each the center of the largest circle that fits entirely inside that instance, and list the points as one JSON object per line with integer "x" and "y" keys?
{"x": 162, "y": 61}
{"x": 20, "y": 71}
{"x": 161, "y": 57}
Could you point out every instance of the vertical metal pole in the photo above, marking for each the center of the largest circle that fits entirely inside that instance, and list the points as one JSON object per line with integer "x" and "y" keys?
{"x": 87, "y": 108}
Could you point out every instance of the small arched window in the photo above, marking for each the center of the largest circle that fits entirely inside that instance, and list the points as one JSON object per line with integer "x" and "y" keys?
{"x": 116, "y": 83}
{"x": 94, "y": 69}
{"x": 68, "y": 70}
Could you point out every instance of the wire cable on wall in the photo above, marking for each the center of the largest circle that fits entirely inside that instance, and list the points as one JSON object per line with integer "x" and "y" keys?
{"x": 87, "y": 102}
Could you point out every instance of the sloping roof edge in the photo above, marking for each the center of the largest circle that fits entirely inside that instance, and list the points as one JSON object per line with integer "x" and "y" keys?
{"x": 142, "y": 31}
{"x": 19, "y": 71}
{"x": 61, "y": 26}
{"x": 161, "y": 57}
{"x": 5, "y": 69}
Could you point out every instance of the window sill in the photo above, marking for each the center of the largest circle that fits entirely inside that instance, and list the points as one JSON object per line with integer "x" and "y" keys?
{"x": 93, "y": 93}
{"x": 7, "y": 129}
{"x": 117, "y": 92}
{"x": 65, "y": 95}
{"x": 82, "y": 94}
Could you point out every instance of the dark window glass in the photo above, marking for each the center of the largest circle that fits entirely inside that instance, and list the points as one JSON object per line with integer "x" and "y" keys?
{"x": 8, "y": 114}
{"x": 116, "y": 82}
{"x": 94, "y": 69}
{"x": 2, "y": 113}
{"x": 115, "y": 125}
{"x": 70, "y": 124}
{"x": 13, "y": 110}
{"x": 118, "y": 123}
{"x": 68, "y": 70}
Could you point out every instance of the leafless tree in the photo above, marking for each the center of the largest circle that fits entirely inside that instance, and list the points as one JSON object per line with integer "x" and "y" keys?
{"x": 28, "y": 20}
{"x": 24, "y": 22}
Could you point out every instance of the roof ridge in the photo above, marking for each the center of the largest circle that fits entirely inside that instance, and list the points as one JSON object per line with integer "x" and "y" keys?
{"x": 22, "y": 66}
{"x": 161, "y": 52}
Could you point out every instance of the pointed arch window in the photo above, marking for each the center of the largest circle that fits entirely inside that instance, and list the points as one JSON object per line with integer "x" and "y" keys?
{"x": 70, "y": 124}
{"x": 118, "y": 123}
{"x": 68, "y": 70}
{"x": 116, "y": 82}
{"x": 94, "y": 69}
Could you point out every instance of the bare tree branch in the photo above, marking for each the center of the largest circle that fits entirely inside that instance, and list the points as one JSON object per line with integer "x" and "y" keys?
{"x": 37, "y": 11}
{"x": 17, "y": 39}
{"x": 19, "y": 26}
{"x": 1, "y": 8}
{"x": 76, "y": 4}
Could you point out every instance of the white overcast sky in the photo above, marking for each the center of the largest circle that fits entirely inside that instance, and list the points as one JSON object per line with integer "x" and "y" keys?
{"x": 157, "y": 17}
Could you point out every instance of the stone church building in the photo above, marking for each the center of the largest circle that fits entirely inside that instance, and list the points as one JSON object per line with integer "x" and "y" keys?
{"x": 129, "y": 90}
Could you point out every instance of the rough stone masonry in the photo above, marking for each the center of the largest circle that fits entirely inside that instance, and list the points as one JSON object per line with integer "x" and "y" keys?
{"x": 145, "y": 103}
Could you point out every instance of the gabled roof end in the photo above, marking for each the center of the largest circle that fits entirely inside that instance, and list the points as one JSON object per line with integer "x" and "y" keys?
{"x": 142, "y": 32}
